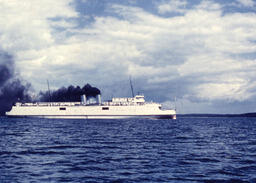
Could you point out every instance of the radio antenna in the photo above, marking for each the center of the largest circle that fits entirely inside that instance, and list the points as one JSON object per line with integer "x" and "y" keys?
{"x": 131, "y": 86}
{"x": 175, "y": 105}
{"x": 49, "y": 91}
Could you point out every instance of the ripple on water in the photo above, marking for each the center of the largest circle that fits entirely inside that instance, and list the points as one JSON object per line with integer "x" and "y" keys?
{"x": 219, "y": 150}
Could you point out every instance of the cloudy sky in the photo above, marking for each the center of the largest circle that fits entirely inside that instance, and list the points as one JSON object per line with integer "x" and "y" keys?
{"x": 203, "y": 52}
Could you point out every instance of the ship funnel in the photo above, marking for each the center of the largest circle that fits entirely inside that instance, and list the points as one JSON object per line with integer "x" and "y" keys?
{"x": 83, "y": 99}
{"x": 99, "y": 99}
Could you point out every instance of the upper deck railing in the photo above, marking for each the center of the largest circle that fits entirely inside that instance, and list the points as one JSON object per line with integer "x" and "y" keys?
{"x": 81, "y": 104}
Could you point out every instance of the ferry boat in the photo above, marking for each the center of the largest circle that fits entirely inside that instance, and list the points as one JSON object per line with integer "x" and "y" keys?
{"x": 117, "y": 108}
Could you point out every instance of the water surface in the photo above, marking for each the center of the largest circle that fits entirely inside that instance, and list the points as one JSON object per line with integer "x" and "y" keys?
{"x": 183, "y": 150}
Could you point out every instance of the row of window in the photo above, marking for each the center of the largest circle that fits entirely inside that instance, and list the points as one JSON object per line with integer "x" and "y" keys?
{"x": 64, "y": 108}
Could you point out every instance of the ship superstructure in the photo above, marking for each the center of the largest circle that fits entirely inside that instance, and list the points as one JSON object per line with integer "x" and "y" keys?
{"x": 134, "y": 107}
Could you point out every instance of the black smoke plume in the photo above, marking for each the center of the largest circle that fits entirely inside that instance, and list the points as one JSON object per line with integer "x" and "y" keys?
{"x": 69, "y": 94}
{"x": 12, "y": 89}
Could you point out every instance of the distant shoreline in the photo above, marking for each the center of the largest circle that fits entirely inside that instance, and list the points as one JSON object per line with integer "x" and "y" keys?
{"x": 217, "y": 115}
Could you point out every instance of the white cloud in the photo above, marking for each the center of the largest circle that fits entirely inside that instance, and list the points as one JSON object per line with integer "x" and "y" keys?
{"x": 26, "y": 24}
{"x": 172, "y": 6}
{"x": 247, "y": 3}
{"x": 201, "y": 46}
{"x": 28, "y": 28}
{"x": 209, "y": 5}
{"x": 234, "y": 90}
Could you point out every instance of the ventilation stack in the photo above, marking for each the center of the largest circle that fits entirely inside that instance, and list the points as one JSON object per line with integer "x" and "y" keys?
{"x": 98, "y": 99}
{"x": 83, "y": 99}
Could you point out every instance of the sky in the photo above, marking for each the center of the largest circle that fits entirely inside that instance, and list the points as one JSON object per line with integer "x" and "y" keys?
{"x": 200, "y": 52}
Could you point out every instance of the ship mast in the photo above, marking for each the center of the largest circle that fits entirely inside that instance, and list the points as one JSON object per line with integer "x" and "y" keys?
{"x": 131, "y": 87}
{"x": 50, "y": 98}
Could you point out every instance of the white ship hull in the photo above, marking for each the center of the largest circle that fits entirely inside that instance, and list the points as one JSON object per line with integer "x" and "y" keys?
{"x": 96, "y": 117}
{"x": 118, "y": 108}
{"x": 92, "y": 112}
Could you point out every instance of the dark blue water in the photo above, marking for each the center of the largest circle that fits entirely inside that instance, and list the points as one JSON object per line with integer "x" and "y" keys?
{"x": 183, "y": 150}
